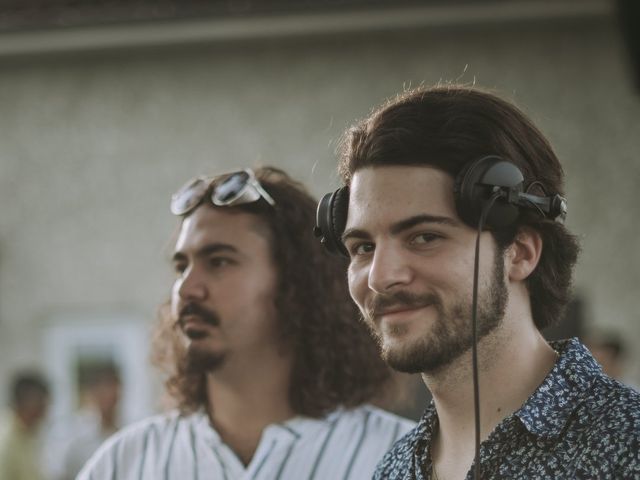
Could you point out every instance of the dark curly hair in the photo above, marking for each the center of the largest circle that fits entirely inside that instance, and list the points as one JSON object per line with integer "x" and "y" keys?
{"x": 446, "y": 127}
{"x": 336, "y": 362}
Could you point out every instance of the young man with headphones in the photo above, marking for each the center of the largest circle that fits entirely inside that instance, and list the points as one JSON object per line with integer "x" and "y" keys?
{"x": 452, "y": 217}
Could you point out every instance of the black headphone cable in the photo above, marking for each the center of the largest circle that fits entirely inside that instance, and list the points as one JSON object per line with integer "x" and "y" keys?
{"x": 474, "y": 326}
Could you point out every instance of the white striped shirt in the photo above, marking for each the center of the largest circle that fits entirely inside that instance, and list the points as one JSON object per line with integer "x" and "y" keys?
{"x": 347, "y": 444}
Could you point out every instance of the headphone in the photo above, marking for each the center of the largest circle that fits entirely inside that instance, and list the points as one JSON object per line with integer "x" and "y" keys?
{"x": 478, "y": 182}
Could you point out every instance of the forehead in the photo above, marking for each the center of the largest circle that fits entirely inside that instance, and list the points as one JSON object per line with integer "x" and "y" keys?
{"x": 386, "y": 194}
{"x": 210, "y": 225}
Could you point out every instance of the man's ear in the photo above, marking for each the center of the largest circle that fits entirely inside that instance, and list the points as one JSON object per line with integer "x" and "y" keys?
{"x": 523, "y": 254}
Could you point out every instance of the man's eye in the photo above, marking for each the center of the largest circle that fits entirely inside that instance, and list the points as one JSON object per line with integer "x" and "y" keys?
{"x": 218, "y": 262}
{"x": 424, "y": 238}
{"x": 360, "y": 249}
{"x": 179, "y": 268}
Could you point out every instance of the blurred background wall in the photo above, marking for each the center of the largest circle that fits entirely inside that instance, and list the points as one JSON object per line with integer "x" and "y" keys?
{"x": 101, "y": 121}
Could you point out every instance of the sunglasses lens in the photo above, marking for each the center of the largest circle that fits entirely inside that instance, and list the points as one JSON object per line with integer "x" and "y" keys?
{"x": 236, "y": 189}
{"x": 188, "y": 196}
{"x": 231, "y": 188}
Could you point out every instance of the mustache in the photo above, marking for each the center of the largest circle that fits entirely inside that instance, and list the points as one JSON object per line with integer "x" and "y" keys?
{"x": 195, "y": 310}
{"x": 400, "y": 300}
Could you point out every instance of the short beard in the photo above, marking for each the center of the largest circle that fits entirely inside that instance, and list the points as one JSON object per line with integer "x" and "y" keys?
{"x": 198, "y": 361}
{"x": 451, "y": 335}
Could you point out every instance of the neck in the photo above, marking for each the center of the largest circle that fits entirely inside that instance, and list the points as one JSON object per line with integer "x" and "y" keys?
{"x": 243, "y": 399}
{"x": 108, "y": 420}
{"x": 513, "y": 362}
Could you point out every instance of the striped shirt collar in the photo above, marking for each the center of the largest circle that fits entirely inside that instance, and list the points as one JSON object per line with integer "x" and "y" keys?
{"x": 288, "y": 431}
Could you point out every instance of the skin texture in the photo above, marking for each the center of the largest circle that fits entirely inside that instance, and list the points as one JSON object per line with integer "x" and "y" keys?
{"x": 222, "y": 301}
{"x": 411, "y": 275}
{"x": 225, "y": 276}
{"x": 410, "y": 265}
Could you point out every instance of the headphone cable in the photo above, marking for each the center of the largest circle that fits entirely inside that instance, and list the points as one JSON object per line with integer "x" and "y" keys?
{"x": 474, "y": 322}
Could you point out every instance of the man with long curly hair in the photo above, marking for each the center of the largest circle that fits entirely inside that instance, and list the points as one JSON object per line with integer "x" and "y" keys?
{"x": 269, "y": 367}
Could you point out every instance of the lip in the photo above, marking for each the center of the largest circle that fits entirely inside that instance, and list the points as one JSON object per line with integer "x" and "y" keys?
{"x": 194, "y": 326}
{"x": 195, "y": 329}
{"x": 192, "y": 319}
{"x": 397, "y": 315}
{"x": 194, "y": 323}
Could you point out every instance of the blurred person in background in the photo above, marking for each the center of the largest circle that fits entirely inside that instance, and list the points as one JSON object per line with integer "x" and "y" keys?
{"x": 270, "y": 368}
{"x": 96, "y": 421}
{"x": 20, "y": 456}
{"x": 420, "y": 174}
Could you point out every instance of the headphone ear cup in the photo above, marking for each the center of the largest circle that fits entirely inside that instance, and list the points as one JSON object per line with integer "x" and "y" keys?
{"x": 331, "y": 218}
{"x": 340, "y": 210}
{"x": 558, "y": 208}
{"x": 464, "y": 200}
{"x": 475, "y": 185}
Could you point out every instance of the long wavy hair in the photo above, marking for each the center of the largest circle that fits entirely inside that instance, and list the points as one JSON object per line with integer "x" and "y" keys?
{"x": 336, "y": 361}
{"x": 446, "y": 127}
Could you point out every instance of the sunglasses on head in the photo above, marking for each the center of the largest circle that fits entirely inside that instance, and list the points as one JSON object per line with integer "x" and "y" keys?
{"x": 236, "y": 188}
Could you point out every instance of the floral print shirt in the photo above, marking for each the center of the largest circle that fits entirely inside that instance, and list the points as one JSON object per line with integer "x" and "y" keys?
{"x": 578, "y": 424}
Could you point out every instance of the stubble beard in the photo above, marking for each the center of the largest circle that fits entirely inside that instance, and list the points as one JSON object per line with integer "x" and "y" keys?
{"x": 200, "y": 359}
{"x": 450, "y": 336}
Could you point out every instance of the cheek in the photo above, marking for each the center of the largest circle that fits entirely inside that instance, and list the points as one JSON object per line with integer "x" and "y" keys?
{"x": 357, "y": 278}
{"x": 175, "y": 297}
{"x": 260, "y": 291}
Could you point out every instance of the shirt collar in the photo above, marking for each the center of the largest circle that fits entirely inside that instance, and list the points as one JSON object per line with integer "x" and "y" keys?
{"x": 422, "y": 436}
{"x": 547, "y": 411}
{"x": 292, "y": 429}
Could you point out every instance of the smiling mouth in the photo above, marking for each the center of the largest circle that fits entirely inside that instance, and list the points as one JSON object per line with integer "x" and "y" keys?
{"x": 399, "y": 313}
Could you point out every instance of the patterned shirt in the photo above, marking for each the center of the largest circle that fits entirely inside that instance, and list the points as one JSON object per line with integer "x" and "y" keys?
{"x": 578, "y": 424}
{"x": 347, "y": 444}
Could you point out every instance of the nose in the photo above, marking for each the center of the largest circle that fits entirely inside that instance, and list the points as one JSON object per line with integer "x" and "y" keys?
{"x": 389, "y": 269}
{"x": 190, "y": 286}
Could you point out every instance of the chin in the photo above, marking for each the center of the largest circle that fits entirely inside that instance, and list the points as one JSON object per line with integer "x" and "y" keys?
{"x": 401, "y": 361}
{"x": 203, "y": 360}
{"x": 412, "y": 357}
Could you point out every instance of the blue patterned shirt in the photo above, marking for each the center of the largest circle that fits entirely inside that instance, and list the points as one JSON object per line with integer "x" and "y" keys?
{"x": 578, "y": 424}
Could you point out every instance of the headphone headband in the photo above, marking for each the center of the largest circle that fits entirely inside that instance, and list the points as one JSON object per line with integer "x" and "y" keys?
{"x": 476, "y": 183}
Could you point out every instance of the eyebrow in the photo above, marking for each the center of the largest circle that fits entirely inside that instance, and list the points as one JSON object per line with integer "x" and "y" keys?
{"x": 207, "y": 250}
{"x": 402, "y": 225}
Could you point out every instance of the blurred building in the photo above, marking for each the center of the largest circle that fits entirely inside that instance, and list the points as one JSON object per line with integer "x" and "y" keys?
{"x": 108, "y": 106}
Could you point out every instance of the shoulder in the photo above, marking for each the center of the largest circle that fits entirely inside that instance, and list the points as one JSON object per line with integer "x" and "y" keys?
{"x": 159, "y": 425}
{"x": 5, "y": 432}
{"x": 382, "y": 419}
{"x": 356, "y": 439}
{"x": 396, "y": 462}
{"x": 608, "y": 424}
{"x": 613, "y": 407}
{"x": 374, "y": 421}
{"x": 6, "y": 451}
{"x": 8, "y": 437}
{"x": 596, "y": 407}
{"x": 130, "y": 445}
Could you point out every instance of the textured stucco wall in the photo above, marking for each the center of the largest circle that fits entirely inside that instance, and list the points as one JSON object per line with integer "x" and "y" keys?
{"x": 93, "y": 144}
